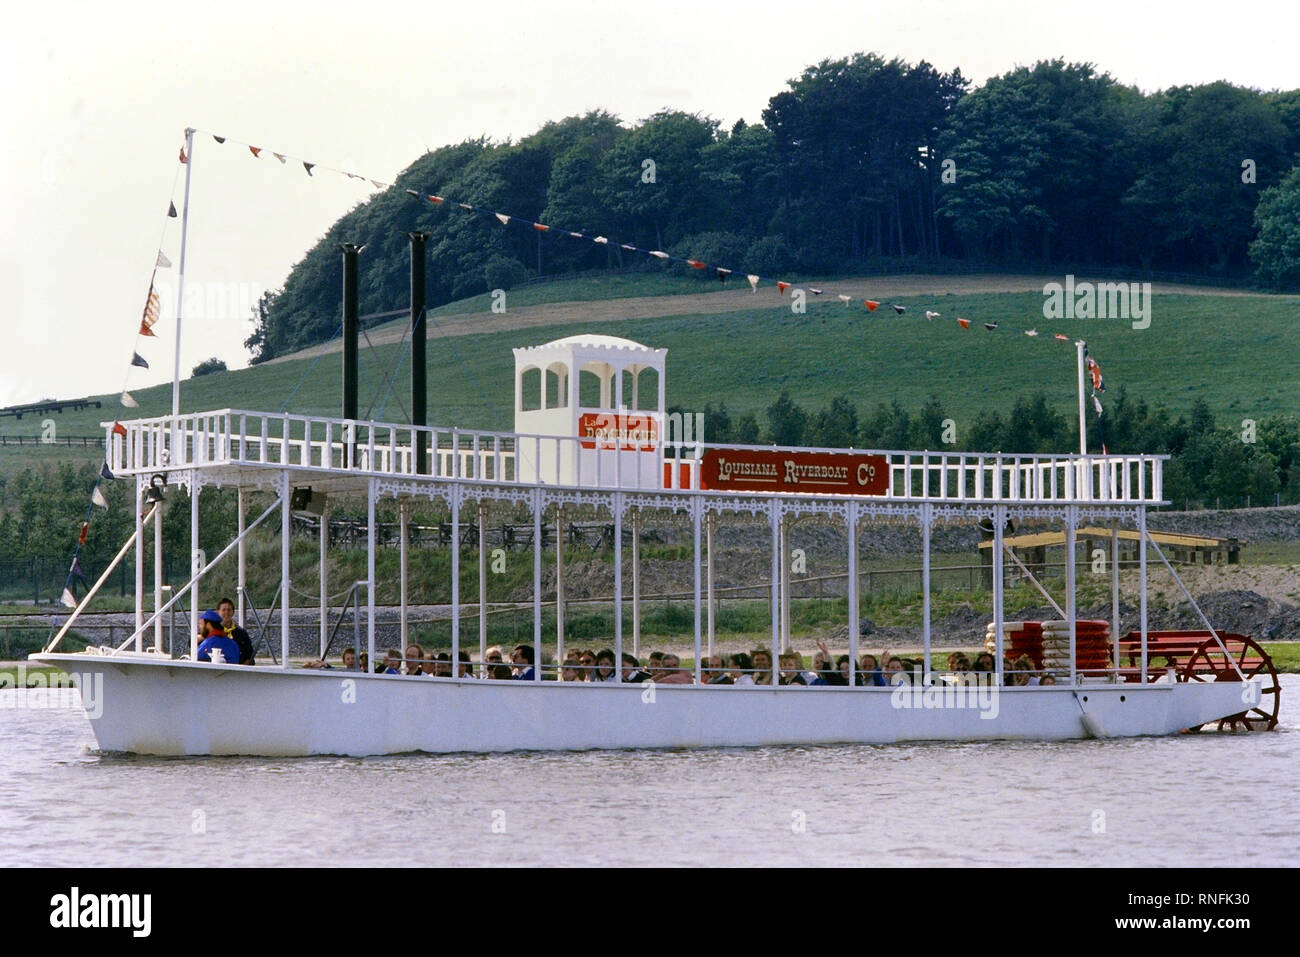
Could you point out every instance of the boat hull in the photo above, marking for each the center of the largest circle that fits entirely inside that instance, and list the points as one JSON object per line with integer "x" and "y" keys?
{"x": 150, "y": 705}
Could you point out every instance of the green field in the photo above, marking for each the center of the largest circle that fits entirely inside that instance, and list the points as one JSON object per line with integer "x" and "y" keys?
{"x": 1241, "y": 353}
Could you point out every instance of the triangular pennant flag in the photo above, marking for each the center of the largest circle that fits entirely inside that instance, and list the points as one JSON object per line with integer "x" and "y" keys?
{"x": 658, "y": 254}
{"x": 505, "y": 220}
{"x": 119, "y": 429}
{"x": 255, "y": 150}
{"x": 871, "y": 305}
{"x": 628, "y": 247}
{"x": 171, "y": 210}
{"x": 97, "y": 497}
{"x": 105, "y": 474}
{"x": 85, "y": 528}
{"x": 435, "y": 199}
{"x": 466, "y": 206}
{"x": 163, "y": 262}
{"x": 845, "y": 299}
{"x": 722, "y": 273}
{"x": 1096, "y": 404}
{"x": 307, "y": 166}
{"x": 577, "y": 235}
{"x": 128, "y": 400}
{"x": 376, "y": 184}
{"x": 990, "y": 326}
{"x": 964, "y": 323}
{"x": 781, "y": 287}
{"x": 1061, "y": 337}
{"x": 219, "y": 139}
{"x": 280, "y": 157}
{"x": 145, "y": 330}
{"x": 1094, "y": 370}
{"x": 815, "y": 292}
{"x": 753, "y": 282}
{"x": 138, "y": 360}
{"x": 602, "y": 240}
{"x": 68, "y": 600}
{"x": 413, "y": 192}
{"x": 76, "y": 569}
{"x": 695, "y": 264}
{"x": 1031, "y": 332}
{"x": 900, "y": 309}
{"x": 541, "y": 227}
{"x": 932, "y": 315}
{"x": 183, "y": 159}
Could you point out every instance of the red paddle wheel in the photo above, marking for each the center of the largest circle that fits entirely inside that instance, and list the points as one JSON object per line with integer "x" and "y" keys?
{"x": 1213, "y": 661}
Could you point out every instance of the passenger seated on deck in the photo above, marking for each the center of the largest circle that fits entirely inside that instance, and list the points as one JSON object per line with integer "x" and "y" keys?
{"x": 521, "y": 660}
{"x": 1022, "y": 672}
{"x": 442, "y": 665}
{"x": 896, "y": 671}
{"x": 571, "y": 668}
{"x": 604, "y": 670}
{"x": 1047, "y": 680}
{"x": 587, "y": 661}
{"x": 791, "y": 673}
{"x": 983, "y": 671}
{"x": 717, "y": 673}
{"x": 840, "y": 676}
{"x": 823, "y": 663}
{"x": 869, "y": 672}
{"x": 392, "y": 663}
{"x": 226, "y": 609}
{"x": 493, "y": 665}
{"x": 672, "y": 673}
{"x": 632, "y": 673}
{"x": 654, "y": 665}
{"x": 762, "y": 666}
{"x": 959, "y": 665}
{"x": 414, "y": 659}
{"x": 466, "y": 669}
{"x": 741, "y": 664}
{"x": 215, "y": 639}
{"x": 349, "y": 658}
{"x": 365, "y": 661}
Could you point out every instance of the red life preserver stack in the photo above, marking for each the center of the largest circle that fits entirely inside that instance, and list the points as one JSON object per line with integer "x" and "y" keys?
{"x": 1091, "y": 646}
{"x": 1019, "y": 638}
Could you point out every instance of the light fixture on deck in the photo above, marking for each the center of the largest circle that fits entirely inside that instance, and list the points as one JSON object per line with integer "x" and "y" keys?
{"x": 155, "y": 491}
{"x": 986, "y": 528}
{"x": 306, "y": 501}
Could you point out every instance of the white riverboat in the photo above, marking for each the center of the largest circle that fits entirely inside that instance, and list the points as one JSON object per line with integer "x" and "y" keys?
{"x": 565, "y": 456}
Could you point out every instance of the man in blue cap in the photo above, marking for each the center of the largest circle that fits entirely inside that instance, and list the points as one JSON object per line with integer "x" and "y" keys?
{"x": 214, "y": 636}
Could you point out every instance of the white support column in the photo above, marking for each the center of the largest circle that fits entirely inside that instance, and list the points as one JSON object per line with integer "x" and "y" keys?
{"x": 195, "y": 610}
{"x": 709, "y": 522}
{"x": 537, "y": 584}
{"x": 1114, "y": 593}
{"x": 696, "y": 509}
{"x": 927, "y": 528}
{"x": 404, "y": 525}
{"x": 1071, "y": 610}
{"x": 785, "y": 583}
{"x": 158, "y": 576}
{"x": 559, "y": 584}
{"x": 636, "y": 580}
{"x": 618, "y": 584}
{"x": 241, "y": 559}
{"x": 370, "y": 571}
{"x": 324, "y": 538}
{"x": 482, "y": 580}
{"x": 455, "y": 586}
{"x": 851, "y": 591}
{"x": 285, "y": 492}
{"x": 774, "y": 520}
{"x": 1142, "y": 577}
{"x": 140, "y": 487}
{"x": 999, "y": 579}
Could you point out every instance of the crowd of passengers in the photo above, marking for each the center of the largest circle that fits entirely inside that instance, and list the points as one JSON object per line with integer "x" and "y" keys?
{"x": 740, "y": 668}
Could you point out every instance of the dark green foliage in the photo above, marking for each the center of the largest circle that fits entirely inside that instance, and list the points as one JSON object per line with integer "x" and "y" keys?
{"x": 208, "y": 366}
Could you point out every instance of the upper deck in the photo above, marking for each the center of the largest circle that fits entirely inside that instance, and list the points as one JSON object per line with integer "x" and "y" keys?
{"x": 339, "y": 450}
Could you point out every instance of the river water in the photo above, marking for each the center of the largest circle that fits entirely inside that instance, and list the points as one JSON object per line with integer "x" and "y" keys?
{"x": 1185, "y": 800}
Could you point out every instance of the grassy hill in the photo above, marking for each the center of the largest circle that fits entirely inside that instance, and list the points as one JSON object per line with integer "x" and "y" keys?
{"x": 1241, "y": 353}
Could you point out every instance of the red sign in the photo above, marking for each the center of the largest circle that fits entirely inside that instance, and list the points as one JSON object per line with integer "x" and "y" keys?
{"x": 757, "y": 470}
{"x": 629, "y": 431}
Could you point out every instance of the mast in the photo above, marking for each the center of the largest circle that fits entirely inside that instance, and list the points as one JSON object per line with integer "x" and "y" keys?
{"x": 1081, "y": 349}
{"x": 180, "y": 282}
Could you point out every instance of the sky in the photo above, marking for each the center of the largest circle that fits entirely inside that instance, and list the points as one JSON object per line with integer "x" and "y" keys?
{"x": 97, "y": 96}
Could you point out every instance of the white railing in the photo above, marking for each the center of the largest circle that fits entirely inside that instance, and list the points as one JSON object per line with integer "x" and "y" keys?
{"x": 240, "y": 438}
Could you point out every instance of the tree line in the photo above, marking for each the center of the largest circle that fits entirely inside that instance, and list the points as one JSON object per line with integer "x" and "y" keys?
{"x": 859, "y": 162}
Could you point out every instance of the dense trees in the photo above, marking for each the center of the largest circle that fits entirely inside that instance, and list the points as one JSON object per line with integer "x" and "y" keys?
{"x": 859, "y": 160}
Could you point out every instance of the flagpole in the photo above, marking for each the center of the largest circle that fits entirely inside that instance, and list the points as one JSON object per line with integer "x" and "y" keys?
{"x": 180, "y": 283}
{"x": 1080, "y": 346}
